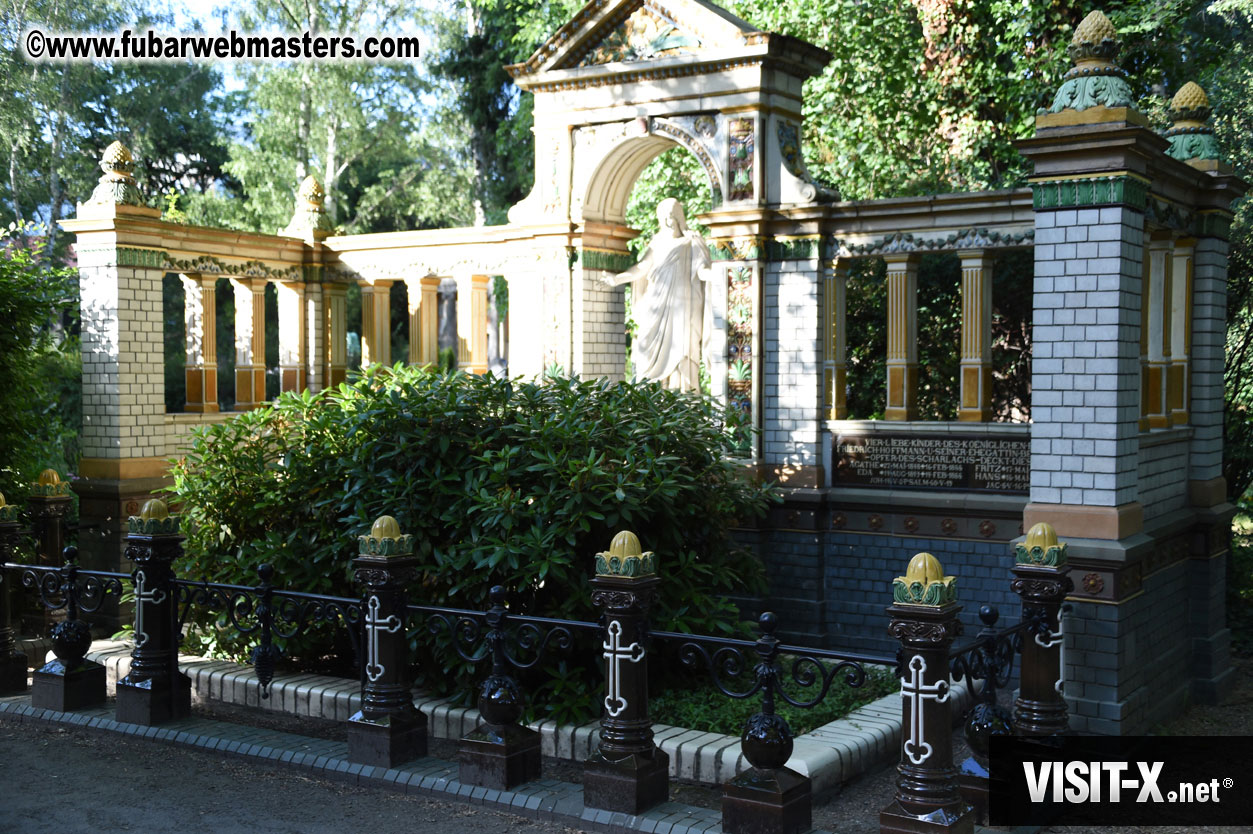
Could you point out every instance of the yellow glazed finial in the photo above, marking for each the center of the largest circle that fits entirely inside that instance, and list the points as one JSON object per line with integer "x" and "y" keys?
{"x": 154, "y": 509}
{"x": 49, "y": 477}
{"x": 1042, "y": 535}
{"x": 625, "y": 544}
{"x": 1041, "y": 548}
{"x": 924, "y": 583}
{"x": 924, "y": 568}
{"x": 385, "y": 539}
{"x": 625, "y": 559}
{"x": 1, "y": 499}
{"x": 385, "y": 527}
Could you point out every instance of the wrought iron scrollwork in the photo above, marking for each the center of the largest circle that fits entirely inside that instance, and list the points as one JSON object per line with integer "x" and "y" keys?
{"x": 70, "y": 588}
{"x": 463, "y": 629}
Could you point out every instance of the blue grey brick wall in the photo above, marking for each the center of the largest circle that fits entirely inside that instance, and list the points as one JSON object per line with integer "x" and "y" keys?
{"x": 859, "y": 569}
{"x": 831, "y": 589}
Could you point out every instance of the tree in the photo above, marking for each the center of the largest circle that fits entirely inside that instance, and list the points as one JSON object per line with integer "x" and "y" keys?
{"x": 56, "y": 119}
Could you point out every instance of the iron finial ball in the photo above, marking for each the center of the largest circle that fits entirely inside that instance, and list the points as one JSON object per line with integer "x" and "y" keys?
{"x": 988, "y": 615}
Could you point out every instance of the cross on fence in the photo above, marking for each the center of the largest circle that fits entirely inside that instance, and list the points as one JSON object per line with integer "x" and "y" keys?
{"x": 914, "y": 689}
{"x": 374, "y": 669}
{"x": 143, "y": 597}
{"x": 615, "y": 653}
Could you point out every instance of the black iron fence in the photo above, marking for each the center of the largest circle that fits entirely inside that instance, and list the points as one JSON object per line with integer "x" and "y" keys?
{"x": 627, "y": 772}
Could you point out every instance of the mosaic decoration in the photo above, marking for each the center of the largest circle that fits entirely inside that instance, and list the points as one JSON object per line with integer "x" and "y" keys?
{"x": 790, "y": 148}
{"x": 666, "y": 128}
{"x": 740, "y": 293}
{"x": 740, "y": 164}
{"x": 643, "y": 36}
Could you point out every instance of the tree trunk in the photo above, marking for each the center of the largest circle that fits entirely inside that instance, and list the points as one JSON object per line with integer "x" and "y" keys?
{"x": 55, "y": 187}
{"x": 332, "y": 171}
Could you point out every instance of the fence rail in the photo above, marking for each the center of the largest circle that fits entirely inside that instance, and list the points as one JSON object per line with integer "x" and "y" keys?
{"x": 627, "y": 772}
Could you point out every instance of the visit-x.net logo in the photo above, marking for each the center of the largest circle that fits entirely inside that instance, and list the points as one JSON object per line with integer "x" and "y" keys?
{"x": 1179, "y": 781}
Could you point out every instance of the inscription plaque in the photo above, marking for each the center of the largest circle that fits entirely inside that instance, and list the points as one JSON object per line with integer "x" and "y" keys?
{"x": 933, "y": 461}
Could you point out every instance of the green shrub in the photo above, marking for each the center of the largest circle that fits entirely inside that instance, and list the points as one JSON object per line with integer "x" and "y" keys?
{"x": 502, "y": 482}
{"x": 40, "y": 367}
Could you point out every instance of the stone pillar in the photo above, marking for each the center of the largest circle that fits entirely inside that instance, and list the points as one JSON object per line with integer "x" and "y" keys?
{"x": 1155, "y": 341}
{"x": 1041, "y": 578}
{"x": 376, "y": 323}
{"x": 154, "y": 691}
{"x": 472, "y": 323}
{"x": 1180, "y": 331}
{"x": 902, "y": 353}
{"x": 12, "y": 662}
{"x": 120, "y": 244}
{"x": 249, "y": 342}
{"x": 924, "y": 618}
{"x": 975, "y": 404}
{"x": 834, "y": 345}
{"x": 291, "y": 335}
{"x": 388, "y": 730}
{"x": 314, "y": 313}
{"x": 424, "y": 320}
{"x": 200, "y": 317}
{"x": 335, "y": 333}
{"x": 628, "y": 772}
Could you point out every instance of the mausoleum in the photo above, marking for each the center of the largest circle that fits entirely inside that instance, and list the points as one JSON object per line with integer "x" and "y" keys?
{"x": 1128, "y": 232}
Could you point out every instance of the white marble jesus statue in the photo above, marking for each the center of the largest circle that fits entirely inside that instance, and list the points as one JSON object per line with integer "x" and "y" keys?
{"x": 671, "y": 306}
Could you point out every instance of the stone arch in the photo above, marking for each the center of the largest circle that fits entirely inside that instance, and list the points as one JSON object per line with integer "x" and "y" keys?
{"x": 603, "y": 196}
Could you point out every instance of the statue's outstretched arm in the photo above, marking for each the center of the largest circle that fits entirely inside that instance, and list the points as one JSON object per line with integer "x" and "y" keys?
{"x": 641, "y": 270}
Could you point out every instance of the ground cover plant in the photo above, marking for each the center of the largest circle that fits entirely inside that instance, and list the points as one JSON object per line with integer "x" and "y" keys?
{"x": 702, "y": 707}
{"x": 501, "y": 482}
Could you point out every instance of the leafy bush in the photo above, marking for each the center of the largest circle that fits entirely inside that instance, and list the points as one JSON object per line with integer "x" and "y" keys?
{"x": 502, "y": 482}
{"x": 39, "y": 375}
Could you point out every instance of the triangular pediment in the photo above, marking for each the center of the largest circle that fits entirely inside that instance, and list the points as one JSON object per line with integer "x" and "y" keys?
{"x": 629, "y": 31}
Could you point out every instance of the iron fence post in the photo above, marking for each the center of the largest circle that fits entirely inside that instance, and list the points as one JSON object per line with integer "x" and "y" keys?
{"x": 768, "y": 798}
{"x": 627, "y": 772}
{"x": 502, "y": 753}
{"x": 987, "y": 718}
{"x": 924, "y": 618}
{"x": 12, "y": 662}
{"x": 154, "y": 691}
{"x": 70, "y": 682}
{"x": 388, "y": 730}
{"x": 1042, "y": 579}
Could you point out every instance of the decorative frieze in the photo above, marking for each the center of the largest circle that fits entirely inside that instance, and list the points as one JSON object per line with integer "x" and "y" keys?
{"x": 607, "y": 261}
{"x": 906, "y": 242}
{"x": 210, "y": 265}
{"x": 1086, "y": 192}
